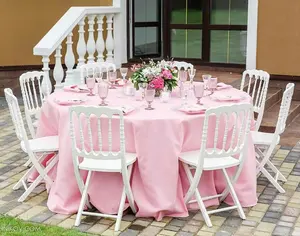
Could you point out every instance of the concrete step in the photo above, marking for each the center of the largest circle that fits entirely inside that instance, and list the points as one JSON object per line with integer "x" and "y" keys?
{"x": 271, "y": 116}
{"x": 291, "y": 135}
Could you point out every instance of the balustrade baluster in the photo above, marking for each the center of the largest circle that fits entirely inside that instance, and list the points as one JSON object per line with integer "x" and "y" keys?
{"x": 81, "y": 45}
{"x": 69, "y": 60}
{"x": 109, "y": 39}
{"x": 100, "y": 41}
{"x": 91, "y": 44}
{"x": 58, "y": 72}
{"x": 46, "y": 83}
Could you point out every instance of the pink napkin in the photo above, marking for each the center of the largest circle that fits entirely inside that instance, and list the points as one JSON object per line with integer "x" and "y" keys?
{"x": 76, "y": 89}
{"x": 193, "y": 109}
{"x": 221, "y": 86}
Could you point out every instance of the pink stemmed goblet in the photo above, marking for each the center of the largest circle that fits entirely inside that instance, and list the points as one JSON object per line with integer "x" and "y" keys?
{"x": 212, "y": 84}
{"x": 149, "y": 97}
{"x": 103, "y": 92}
{"x": 90, "y": 84}
{"x": 199, "y": 92}
{"x": 112, "y": 76}
{"x": 206, "y": 79}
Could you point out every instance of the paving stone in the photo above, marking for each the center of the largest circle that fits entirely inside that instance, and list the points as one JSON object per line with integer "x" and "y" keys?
{"x": 280, "y": 231}
{"x": 177, "y": 222}
{"x": 150, "y": 231}
{"x": 277, "y": 208}
{"x": 97, "y": 229}
{"x": 129, "y": 232}
{"x": 181, "y": 233}
{"x": 233, "y": 222}
{"x": 271, "y": 214}
{"x": 172, "y": 228}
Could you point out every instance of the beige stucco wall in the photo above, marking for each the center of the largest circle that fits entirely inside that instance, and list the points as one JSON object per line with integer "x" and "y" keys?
{"x": 278, "y": 48}
{"x": 25, "y": 22}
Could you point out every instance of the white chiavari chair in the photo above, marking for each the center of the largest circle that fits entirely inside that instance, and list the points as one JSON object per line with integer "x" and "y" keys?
{"x": 182, "y": 65}
{"x": 96, "y": 156}
{"x": 257, "y": 87}
{"x": 95, "y": 67}
{"x": 265, "y": 143}
{"x": 33, "y": 98}
{"x": 37, "y": 149}
{"x": 231, "y": 125}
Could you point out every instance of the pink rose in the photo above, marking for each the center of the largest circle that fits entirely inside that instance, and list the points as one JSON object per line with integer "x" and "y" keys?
{"x": 167, "y": 74}
{"x": 157, "y": 83}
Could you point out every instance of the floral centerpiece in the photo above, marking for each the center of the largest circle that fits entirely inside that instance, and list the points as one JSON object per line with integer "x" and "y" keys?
{"x": 157, "y": 75}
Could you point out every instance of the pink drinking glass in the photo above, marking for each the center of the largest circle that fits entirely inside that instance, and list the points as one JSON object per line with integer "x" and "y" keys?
{"x": 206, "y": 79}
{"x": 112, "y": 77}
{"x": 199, "y": 92}
{"x": 149, "y": 97}
{"x": 90, "y": 84}
{"x": 212, "y": 84}
{"x": 103, "y": 92}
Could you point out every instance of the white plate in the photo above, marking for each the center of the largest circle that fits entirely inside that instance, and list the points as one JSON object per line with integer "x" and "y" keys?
{"x": 192, "y": 109}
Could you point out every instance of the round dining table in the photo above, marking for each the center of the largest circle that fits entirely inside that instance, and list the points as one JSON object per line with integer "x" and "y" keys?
{"x": 157, "y": 136}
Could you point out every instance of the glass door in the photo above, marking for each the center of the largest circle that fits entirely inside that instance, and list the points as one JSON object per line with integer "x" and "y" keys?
{"x": 146, "y": 29}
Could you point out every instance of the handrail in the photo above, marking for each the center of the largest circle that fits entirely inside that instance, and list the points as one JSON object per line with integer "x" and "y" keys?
{"x": 65, "y": 26}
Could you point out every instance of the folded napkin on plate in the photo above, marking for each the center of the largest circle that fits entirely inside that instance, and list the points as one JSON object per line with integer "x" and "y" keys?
{"x": 68, "y": 101}
{"x": 126, "y": 109}
{"x": 223, "y": 86}
{"x": 224, "y": 97}
{"x": 193, "y": 109}
{"x": 75, "y": 88}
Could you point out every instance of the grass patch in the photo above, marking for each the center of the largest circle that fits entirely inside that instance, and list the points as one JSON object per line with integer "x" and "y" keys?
{"x": 11, "y": 226}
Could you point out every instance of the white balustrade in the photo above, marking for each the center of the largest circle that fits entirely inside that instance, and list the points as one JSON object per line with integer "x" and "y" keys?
{"x": 69, "y": 60}
{"x": 109, "y": 39}
{"x": 91, "y": 44}
{"x": 100, "y": 41}
{"x": 53, "y": 42}
{"x": 46, "y": 83}
{"x": 58, "y": 72}
{"x": 81, "y": 45}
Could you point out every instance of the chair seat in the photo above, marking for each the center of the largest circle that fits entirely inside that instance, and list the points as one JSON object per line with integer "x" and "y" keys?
{"x": 262, "y": 138}
{"x": 211, "y": 163}
{"x": 106, "y": 165}
{"x": 45, "y": 144}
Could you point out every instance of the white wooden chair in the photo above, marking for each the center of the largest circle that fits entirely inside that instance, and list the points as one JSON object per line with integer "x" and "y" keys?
{"x": 265, "y": 143}
{"x": 182, "y": 65}
{"x": 33, "y": 98}
{"x": 37, "y": 149}
{"x": 99, "y": 159}
{"x": 95, "y": 67}
{"x": 230, "y": 139}
{"x": 257, "y": 88}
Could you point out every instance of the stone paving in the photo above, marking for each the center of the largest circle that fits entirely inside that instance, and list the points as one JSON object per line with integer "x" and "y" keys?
{"x": 275, "y": 214}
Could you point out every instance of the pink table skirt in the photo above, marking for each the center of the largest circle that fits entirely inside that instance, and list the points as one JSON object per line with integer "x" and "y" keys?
{"x": 158, "y": 180}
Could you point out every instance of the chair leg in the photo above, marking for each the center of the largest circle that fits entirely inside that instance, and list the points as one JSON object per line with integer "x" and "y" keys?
{"x": 120, "y": 211}
{"x": 272, "y": 180}
{"x": 28, "y": 162}
{"x": 83, "y": 199}
{"x": 128, "y": 191}
{"x": 23, "y": 178}
{"x": 234, "y": 196}
{"x": 276, "y": 171}
{"x": 198, "y": 197}
{"x": 31, "y": 187}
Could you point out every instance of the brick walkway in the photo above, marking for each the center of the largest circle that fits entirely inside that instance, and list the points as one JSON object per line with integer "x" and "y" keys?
{"x": 275, "y": 214}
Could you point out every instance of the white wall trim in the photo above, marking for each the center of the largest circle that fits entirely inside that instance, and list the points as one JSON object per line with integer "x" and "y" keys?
{"x": 252, "y": 34}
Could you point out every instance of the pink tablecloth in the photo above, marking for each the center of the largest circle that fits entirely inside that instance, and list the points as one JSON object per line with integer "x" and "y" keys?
{"x": 158, "y": 182}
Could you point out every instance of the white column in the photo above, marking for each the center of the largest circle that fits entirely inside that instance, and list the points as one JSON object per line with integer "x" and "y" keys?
{"x": 46, "y": 83}
{"x": 69, "y": 60}
{"x": 58, "y": 73}
{"x": 252, "y": 34}
{"x": 91, "y": 45}
{"x": 109, "y": 39}
{"x": 100, "y": 41}
{"x": 81, "y": 45}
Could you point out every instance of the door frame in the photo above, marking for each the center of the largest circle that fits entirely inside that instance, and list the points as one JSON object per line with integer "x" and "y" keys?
{"x": 252, "y": 26}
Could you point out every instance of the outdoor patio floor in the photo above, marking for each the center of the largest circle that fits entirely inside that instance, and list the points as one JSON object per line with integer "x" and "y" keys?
{"x": 275, "y": 214}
